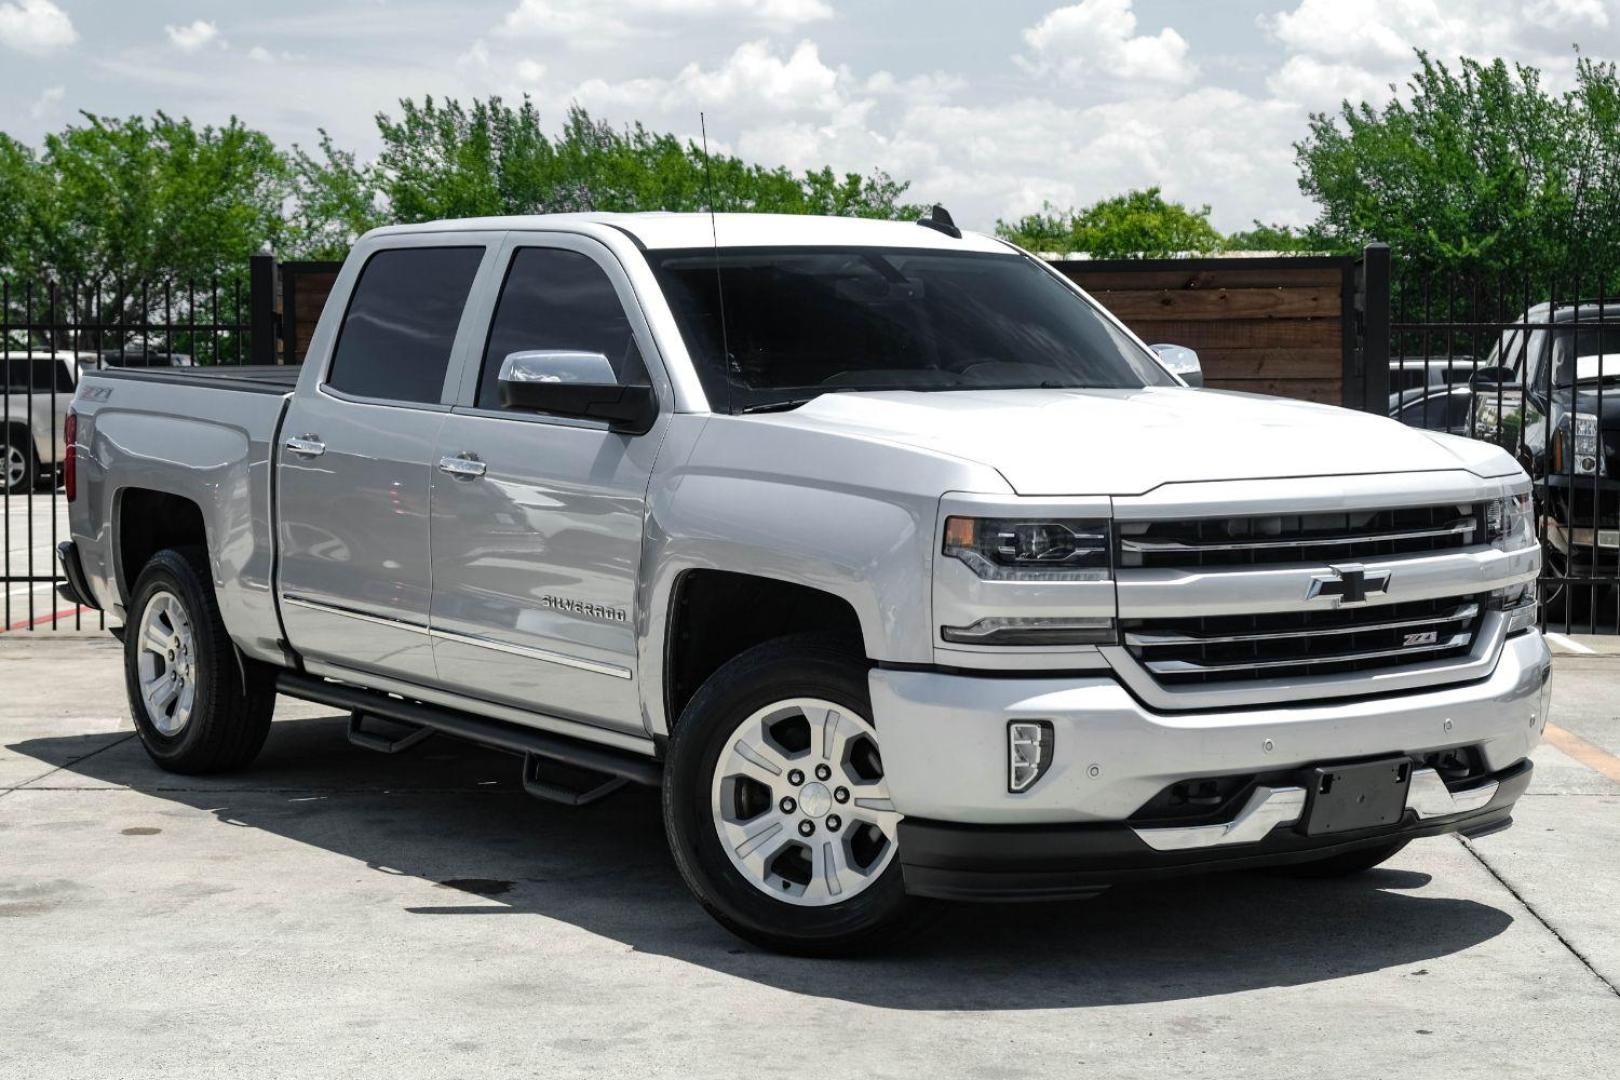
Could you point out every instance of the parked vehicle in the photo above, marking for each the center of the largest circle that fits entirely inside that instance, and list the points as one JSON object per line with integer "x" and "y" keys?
{"x": 1450, "y": 409}
{"x": 1558, "y": 378}
{"x": 903, "y": 567}
{"x": 34, "y": 399}
{"x": 1428, "y": 372}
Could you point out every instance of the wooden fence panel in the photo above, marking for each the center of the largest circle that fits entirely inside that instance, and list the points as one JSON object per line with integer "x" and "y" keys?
{"x": 1270, "y": 326}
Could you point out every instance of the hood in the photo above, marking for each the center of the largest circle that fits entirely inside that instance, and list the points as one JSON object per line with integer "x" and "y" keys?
{"x": 1128, "y": 442}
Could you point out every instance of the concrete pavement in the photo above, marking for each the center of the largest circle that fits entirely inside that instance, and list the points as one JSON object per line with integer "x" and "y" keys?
{"x": 333, "y": 912}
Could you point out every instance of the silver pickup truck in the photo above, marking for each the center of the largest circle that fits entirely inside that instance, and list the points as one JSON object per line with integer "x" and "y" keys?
{"x": 903, "y": 567}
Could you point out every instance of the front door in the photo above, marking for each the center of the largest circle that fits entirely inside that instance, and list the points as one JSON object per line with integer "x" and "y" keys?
{"x": 356, "y": 462}
{"x": 537, "y": 520}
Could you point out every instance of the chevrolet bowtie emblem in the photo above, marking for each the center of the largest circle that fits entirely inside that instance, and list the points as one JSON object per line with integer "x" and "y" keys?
{"x": 1350, "y": 584}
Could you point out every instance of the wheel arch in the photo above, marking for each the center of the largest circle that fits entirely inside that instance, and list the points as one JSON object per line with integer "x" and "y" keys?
{"x": 714, "y": 615}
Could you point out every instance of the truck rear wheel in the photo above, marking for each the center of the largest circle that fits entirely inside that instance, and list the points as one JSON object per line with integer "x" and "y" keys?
{"x": 197, "y": 706}
{"x": 776, "y": 807}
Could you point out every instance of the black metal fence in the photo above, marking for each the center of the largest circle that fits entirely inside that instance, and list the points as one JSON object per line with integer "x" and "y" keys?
{"x": 1530, "y": 362}
{"x": 50, "y": 332}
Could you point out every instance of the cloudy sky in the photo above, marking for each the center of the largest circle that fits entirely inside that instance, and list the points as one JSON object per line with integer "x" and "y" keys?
{"x": 989, "y": 107}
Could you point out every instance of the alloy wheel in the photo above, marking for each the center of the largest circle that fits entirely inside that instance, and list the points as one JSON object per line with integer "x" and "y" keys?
{"x": 800, "y": 803}
{"x": 167, "y": 663}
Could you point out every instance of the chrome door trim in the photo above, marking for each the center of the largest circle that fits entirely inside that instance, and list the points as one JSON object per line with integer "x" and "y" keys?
{"x": 292, "y": 600}
{"x": 543, "y": 721}
{"x": 563, "y": 659}
{"x": 615, "y": 670}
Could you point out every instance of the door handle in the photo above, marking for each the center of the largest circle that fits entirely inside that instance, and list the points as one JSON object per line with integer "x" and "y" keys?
{"x": 309, "y": 446}
{"x": 462, "y": 467}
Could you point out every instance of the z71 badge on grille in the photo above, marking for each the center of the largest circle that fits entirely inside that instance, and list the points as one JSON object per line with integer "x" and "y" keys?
{"x": 1428, "y": 637}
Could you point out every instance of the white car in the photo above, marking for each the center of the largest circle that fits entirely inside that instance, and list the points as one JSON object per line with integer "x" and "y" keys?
{"x": 36, "y": 389}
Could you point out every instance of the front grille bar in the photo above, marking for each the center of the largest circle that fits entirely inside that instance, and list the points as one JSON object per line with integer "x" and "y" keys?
{"x": 1460, "y": 527}
{"x": 1461, "y": 614}
{"x": 1187, "y": 667}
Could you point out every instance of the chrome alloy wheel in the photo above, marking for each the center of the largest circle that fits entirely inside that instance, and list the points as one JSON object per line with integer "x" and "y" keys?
{"x": 167, "y": 663}
{"x": 16, "y": 463}
{"x": 800, "y": 804}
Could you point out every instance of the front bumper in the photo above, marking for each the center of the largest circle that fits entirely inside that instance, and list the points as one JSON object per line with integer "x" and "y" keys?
{"x": 945, "y": 761}
{"x": 1052, "y": 862}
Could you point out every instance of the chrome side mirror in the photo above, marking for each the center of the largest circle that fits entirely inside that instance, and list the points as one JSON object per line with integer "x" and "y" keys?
{"x": 1182, "y": 361}
{"x": 557, "y": 366}
{"x": 576, "y": 384}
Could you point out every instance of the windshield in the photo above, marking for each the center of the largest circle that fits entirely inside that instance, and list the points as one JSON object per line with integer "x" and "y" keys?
{"x": 806, "y": 321}
{"x": 1585, "y": 354}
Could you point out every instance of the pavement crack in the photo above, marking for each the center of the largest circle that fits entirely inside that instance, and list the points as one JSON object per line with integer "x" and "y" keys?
{"x": 68, "y": 764}
{"x": 1531, "y": 908}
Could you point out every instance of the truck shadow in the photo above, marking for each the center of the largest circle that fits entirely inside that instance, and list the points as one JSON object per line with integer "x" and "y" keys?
{"x": 454, "y": 814}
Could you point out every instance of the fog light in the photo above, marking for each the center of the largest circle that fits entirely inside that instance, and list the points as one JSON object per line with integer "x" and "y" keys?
{"x": 1029, "y": 753}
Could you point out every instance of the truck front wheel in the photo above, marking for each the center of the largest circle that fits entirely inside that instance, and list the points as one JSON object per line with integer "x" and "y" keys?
{"x": 197, "y": 707}
{"x": 776, "y": 806}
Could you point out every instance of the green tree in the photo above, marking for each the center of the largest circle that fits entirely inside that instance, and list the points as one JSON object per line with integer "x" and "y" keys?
{"x": 335, "y": 199}
{"x": 1136, "y": 225}
{"x": 1282, "y": 238}
{"x": 445, "y": 159}
{"x": 136, "y": 199}
{"x": 1478, "y": 168}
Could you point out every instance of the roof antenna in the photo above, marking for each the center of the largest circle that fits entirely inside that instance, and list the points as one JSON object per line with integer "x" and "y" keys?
{"x": 714, "y": 236}
{"x": 939, "y": 219}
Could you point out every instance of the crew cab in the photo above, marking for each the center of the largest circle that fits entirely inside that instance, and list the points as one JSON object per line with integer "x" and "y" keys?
{"x": 904, "y": 568}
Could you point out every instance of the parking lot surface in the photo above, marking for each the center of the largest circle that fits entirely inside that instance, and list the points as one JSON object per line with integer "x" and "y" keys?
{"x": 334, "y": 912}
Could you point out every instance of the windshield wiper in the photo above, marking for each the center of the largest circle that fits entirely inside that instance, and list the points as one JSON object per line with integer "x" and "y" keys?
{"x": 775, "y": 406}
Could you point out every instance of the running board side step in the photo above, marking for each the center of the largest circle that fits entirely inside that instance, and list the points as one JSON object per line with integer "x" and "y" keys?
{"x": 514, "y": 738}
{"x": 590, "y": 786}
{"x": 381, "y": 743}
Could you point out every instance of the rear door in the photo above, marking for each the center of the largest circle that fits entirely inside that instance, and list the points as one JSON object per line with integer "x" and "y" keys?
{"x": 354, "y": 477}
{"x": 535, "y": 558}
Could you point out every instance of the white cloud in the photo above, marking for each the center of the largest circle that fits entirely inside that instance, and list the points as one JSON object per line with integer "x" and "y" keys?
{"x": 1098, "y": 38}
{"x": 591, "y": 24}
{"x": 193, "y": 36}
{"x": 48, "y": 102}
{"x": 1337, "y": 49}
{"x": 36, "y": 26}
{"x": 261, "y": 55}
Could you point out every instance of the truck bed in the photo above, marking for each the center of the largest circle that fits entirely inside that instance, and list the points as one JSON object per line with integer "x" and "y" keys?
{"x": 207, "y": 436}
{"x": 262, "y": 379}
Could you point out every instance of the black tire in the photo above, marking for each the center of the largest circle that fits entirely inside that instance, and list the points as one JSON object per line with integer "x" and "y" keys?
{"x": 879, "y": 915}
{"x": 17, "y": 441}
{"x": 230, "y": 714}
{"x": 1344, "y": 864}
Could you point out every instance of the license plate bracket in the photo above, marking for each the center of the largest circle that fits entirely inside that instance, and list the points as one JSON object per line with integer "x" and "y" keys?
{"x": 1346, "y": 798}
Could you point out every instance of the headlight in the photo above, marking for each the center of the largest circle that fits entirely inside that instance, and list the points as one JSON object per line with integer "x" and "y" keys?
{"x": 1004, "y": 549}
{"x": 1509, "y": 523}
{"x": 1575, "y": 446}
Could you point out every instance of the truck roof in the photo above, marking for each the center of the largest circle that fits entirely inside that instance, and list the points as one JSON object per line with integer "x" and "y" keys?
{"x": 665, "y": 231}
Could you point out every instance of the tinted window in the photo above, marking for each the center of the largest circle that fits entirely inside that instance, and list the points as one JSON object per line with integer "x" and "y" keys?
{"x": 38, "y": 372}
{"x": 800, "y": 322}
{"x": 555, "y": 299}
{"x": 401, "y": 323}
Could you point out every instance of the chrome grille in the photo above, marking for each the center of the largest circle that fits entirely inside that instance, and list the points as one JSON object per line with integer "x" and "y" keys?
{"x": 1293, "y": 644}
{"x": 1283, "y": 538}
